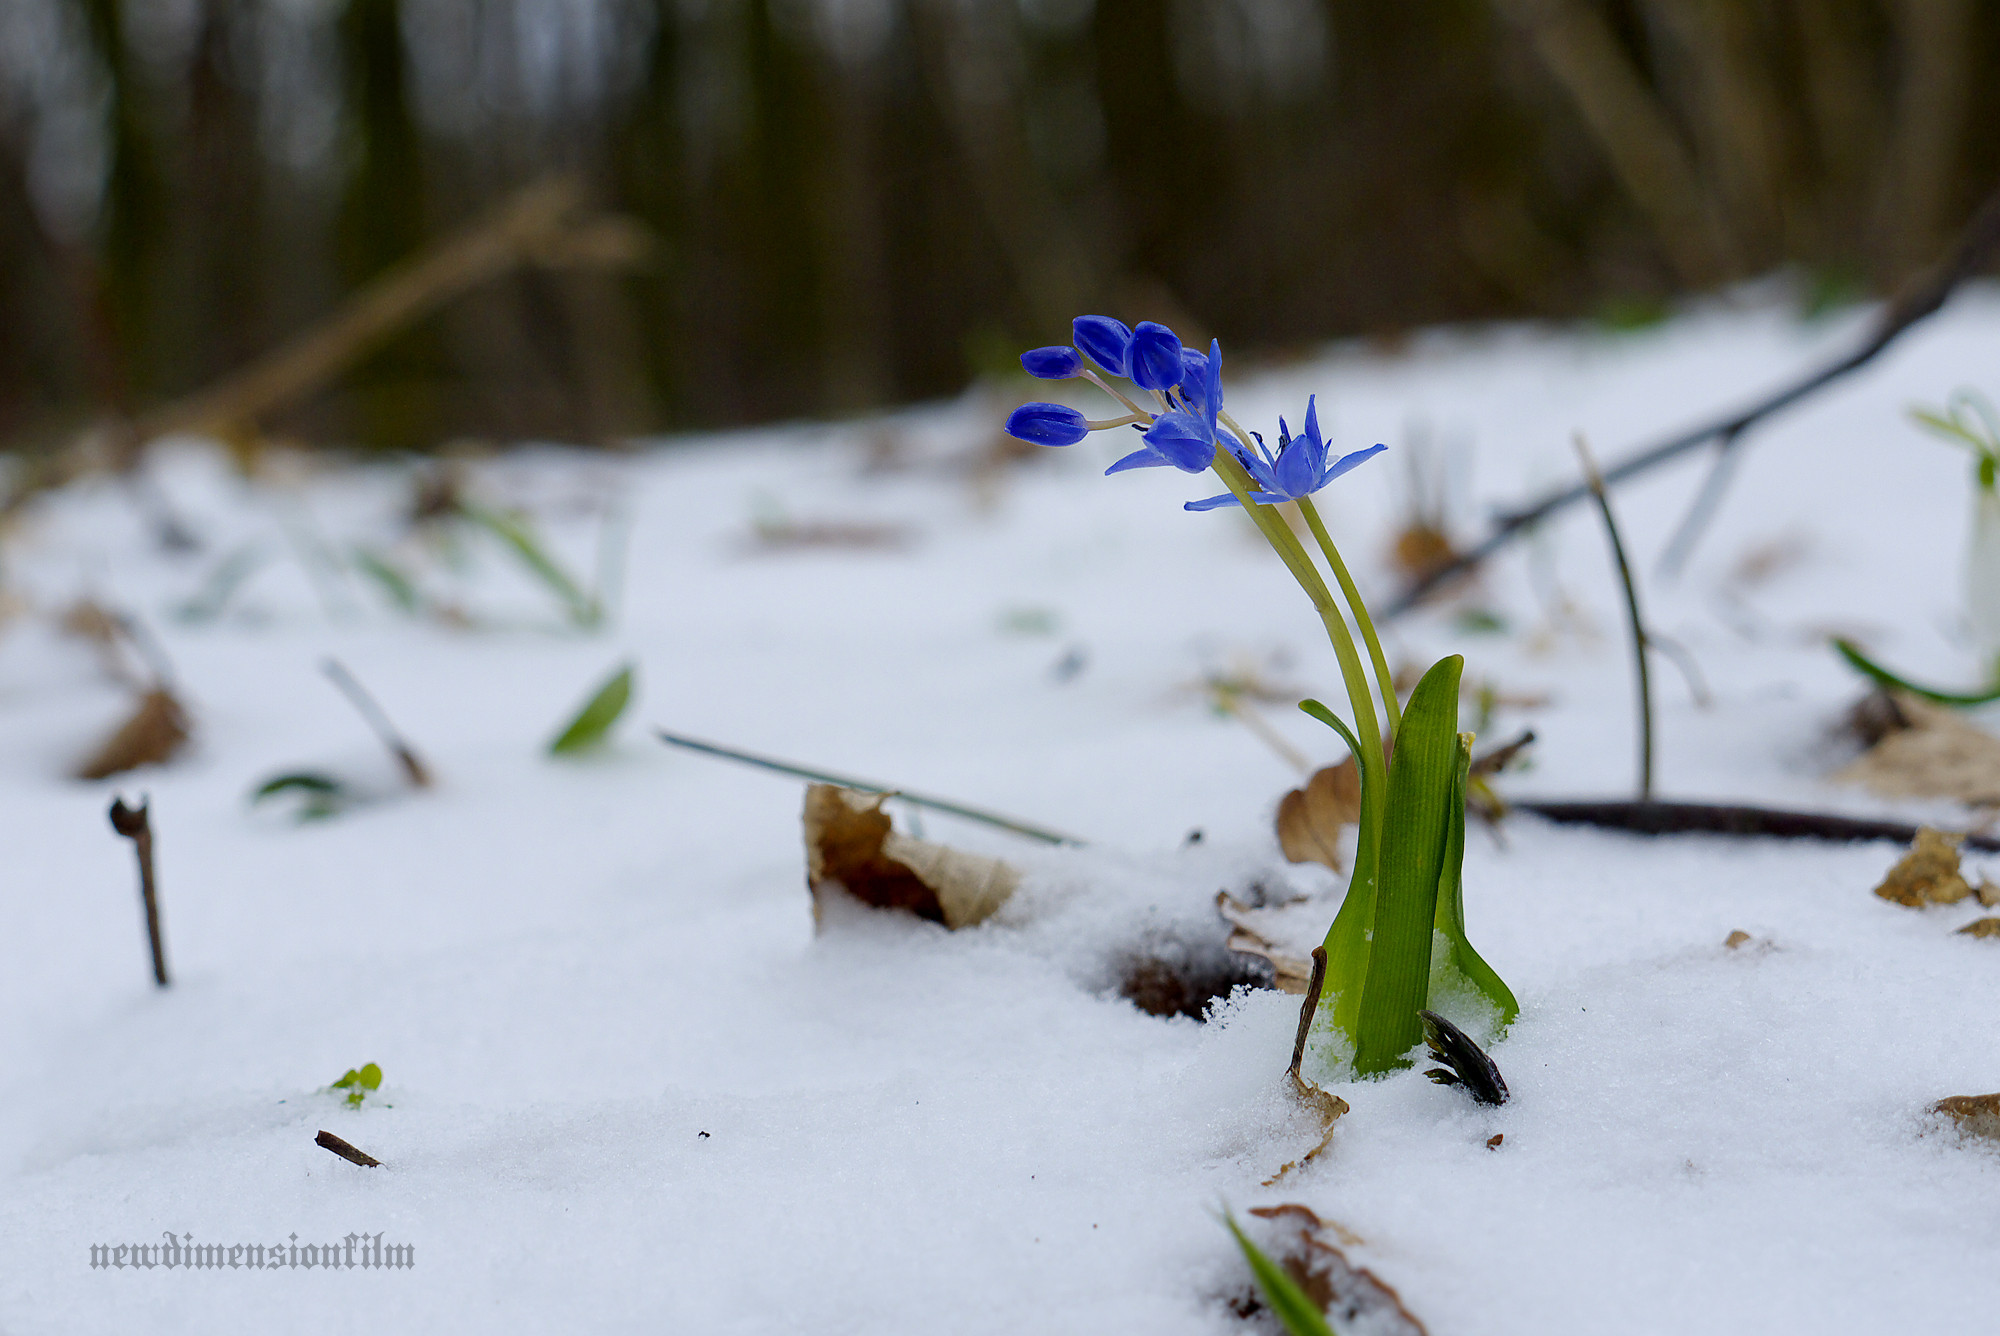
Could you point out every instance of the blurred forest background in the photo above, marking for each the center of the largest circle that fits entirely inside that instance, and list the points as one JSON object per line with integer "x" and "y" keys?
{"x": 819, "y": 206}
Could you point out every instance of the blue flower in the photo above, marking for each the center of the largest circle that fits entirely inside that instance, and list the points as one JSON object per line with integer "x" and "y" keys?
{"x": 1057, "y": 363}
{"x": 1107, "y": 342}
{"x": 1047, "y": 424}
{"x": 1184, "y": 439}
{"x": 1299, "y": 469}
{"x": 1156, "y": 357}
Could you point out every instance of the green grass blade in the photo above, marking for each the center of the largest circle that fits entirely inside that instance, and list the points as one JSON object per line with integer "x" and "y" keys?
{"x": 397, "y": 586}
{"x": 1414, "y": 837}
{"x": 598, "y": 714}
{"x": 1293, "y": 1307}
{"x": 520, "y": 540}
{"x": 1868, "y": 668}
{"x": 1457, "y": 970}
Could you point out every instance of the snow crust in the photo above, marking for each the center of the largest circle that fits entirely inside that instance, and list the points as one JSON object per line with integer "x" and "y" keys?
{"x": 570, "y": 971}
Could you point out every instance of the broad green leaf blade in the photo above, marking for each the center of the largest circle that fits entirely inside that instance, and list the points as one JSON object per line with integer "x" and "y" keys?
{"x": 1292, "y": 1306}
{"x": 1415, "y": 832}
{"x": 369, "y": 1077}
{"x": 1458, "y": 971}
{"x": 1867, "y": 667}
{"x": 597, "y": 716}
{"x": 1347, "y": 939}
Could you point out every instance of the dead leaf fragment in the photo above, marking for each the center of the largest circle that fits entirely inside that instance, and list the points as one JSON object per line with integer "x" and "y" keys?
{"x": 1973, "y": 1115}
{"x": 153, "y": 735}
{"x": 1353, "y": 1297}
{"x": 1982, "y": 927}
{"x": 851, "y": 844}
{"x": 1928, "y": 874}
{"x": 1289, "y": 972}
{"x": 1310, "y": 819}
{"x": 1736, "y": 939}
{"x": 1934, "y": 754}
{"x": 1329, "y": 1106}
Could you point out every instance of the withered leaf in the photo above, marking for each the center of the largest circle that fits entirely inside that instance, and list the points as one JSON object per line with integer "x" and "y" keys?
{"x": 1934, "y": 754}
{"x": 1353, "y": 1297}
{"x": 1329, "y": 1106}
{"x": 156, "y": 731}
{"x": 1310, "y": 819}
{"x": 1928, "y": 874}
{"x": 1290, "y": 972}
{"x": 851, "y": 844}
{"x": 1982, "y": 927}
{"x": 1736, "y": 939}
{"x": 1974, "y": 1115}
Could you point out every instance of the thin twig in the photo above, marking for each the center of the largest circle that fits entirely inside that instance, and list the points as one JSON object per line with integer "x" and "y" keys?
{"x": 1595, "y": 481}
{"x": 135, "y": 825}
{"x": 346, "y": 1150}
{"x": 1665, "y": 818}
{"x": 866, "y": 786}
{"x": 1308, "y": 1008}
{"x": 1974, "y": 248}
{"x": 419, "y": 775}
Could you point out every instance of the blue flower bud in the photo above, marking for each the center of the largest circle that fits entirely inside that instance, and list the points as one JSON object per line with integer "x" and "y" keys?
{"x": 1057, "y": 363}
{"x": 1107, "y": 342}
{"x": 1047, "y": 424}
{"x": 1156, "y": 357}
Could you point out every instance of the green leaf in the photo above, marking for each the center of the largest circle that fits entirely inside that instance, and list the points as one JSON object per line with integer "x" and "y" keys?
{"x": 1292, "y": 1306}
{"x": 311, "y": 781}
{"x": 370, "y": 1077}
{"x": 1867, "y": 667}
{"x": 1415, "y": 834}
{"x": 515, "y": 534}
{"x": 1457, "y": 971}
{"x": 598, "y": 714}
{"x": 353, "y": 1078}
{"x": 1347, "y": 938}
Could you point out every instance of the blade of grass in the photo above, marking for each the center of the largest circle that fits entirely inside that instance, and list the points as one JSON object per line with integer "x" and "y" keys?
{"x": 598, "y": 714}
{"x": 1867, "y": 667}
{"x": 515, "y": 535}
{"x": 868, "y": 786}
{"x": 1294, "y": 1309}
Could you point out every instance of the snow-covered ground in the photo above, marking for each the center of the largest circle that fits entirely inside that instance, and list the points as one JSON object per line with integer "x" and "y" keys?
{"x": 629, "y": 1089}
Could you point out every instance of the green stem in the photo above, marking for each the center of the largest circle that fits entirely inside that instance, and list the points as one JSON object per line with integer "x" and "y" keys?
{"x": 1384, "y": 679}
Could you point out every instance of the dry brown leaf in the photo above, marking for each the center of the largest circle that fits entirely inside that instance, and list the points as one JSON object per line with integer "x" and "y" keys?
{"x": 851, "y": 844}
{"x": 1736, "y": 939}
{"x": 1937, "y": 754}
{"x": 1986, "y": 893}
{"x": 152, "y": 736}
{"x": 1310, "y": 819}
{"x": 1353, "y": 1297}
{"x": 1928, "y": 874}
{"x": 1974, "y": 1115}
{"x": 1327, "y": 1105}
{"x": 1289, "y": 972}
{"x": 1983, "y": 927}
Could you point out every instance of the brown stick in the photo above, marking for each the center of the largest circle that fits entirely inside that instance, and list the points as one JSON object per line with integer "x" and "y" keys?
{"x": 1666, "y": 818}
{"x": 134, "y": 825}
{"x": 347, "y": 1151}
{"x": 1975, "y": 247}
{"x": 406, "y": 756}
{"x": 538, "y": 225}
{"x": 1309, "y": 1008}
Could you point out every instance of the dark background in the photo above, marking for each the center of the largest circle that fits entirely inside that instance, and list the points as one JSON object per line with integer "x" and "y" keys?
{"x": 860, "y": 202}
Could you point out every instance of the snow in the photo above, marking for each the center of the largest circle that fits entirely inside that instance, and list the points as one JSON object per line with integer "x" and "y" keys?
{"x": 571, "y": 970}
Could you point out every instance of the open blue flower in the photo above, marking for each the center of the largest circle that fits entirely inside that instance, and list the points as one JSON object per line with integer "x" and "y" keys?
{"x": 1184, "y": 439}
{"x": 1300, "y": 467}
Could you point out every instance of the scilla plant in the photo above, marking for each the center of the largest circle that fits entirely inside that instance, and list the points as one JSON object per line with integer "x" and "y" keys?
{"x": 1397, "y": 944}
